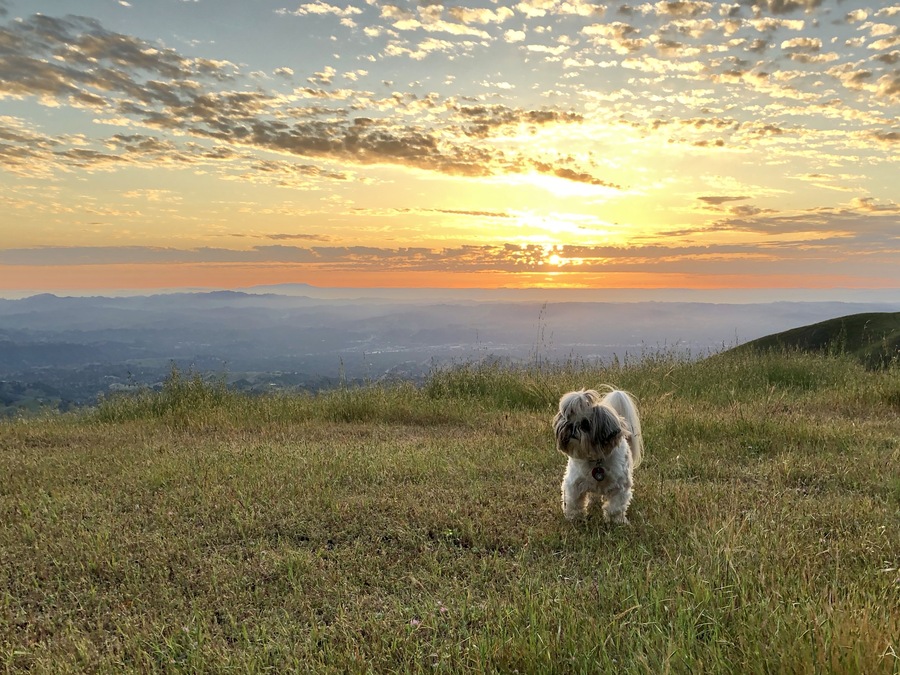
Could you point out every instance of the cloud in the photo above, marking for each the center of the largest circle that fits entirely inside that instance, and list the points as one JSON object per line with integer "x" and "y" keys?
{"x": 783, "y": 6}
{"x": 482, "y": 121}
{"x": 860, "y": 78}
{"x": 29, "y": 153}
{"x": 871, "y": 205}
{"x": 285, "y": 236}
{"x": 153, "y": 195}
{"x": 475, "y": 214}
{"x": 802, "y": 44}
{"x": 618, "y": 37}
{"x": 838, "y": 182}
{"x": 885, "y": 43}
{"x": 146, "y": 85}
{"x": 430, "y": 18}
{"x": 324, "y": 77}
{"x": 584, "y": 8}
{"x": 285, "y": 174}
{"x": 76, "y": 58}
{"x": 468, "y": 213}
{"x": 546, "y": 49}
{"x": 319, "y": 7}
{"x": 771, "y": 24}
{"x": 860, "y": 223}
{"x": 682, "y": 9}
{"x": 888, "y": 86}
{"x": 886, "y": 138}
{"x": 719, "y": 200}
{"x": 26, "y": 152}
{"x": 423, "y": 49}
{"x": 692, "y": 28}
{"x": 536, "y": 8}
{"x": 574, "y": 176}
{"x": 803, "y": 241}
{"x": 615, "y": 30}
{"x": 480, "y": 15}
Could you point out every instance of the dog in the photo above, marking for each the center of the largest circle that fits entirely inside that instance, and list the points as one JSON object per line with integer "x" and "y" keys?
{"x": 601, "y": 436}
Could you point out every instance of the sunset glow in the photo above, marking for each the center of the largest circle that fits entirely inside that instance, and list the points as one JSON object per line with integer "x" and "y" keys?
{"x": 486, "y": 144}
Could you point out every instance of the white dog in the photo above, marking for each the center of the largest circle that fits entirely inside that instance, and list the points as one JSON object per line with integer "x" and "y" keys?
{"x": 602, "y": 438}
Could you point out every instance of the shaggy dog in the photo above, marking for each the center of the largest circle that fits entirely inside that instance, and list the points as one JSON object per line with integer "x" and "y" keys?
{"x": 601, "y": 436}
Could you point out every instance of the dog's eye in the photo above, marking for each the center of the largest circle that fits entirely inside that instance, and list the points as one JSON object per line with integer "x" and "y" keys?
{"x": 584, "y": 426}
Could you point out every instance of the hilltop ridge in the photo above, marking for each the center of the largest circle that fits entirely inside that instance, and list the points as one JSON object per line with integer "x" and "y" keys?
{"x": 873, "y": 338}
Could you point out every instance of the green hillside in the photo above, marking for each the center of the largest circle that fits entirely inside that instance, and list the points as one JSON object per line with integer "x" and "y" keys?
{"x": 418, "y": 529}
{"x": 872, "y": 338}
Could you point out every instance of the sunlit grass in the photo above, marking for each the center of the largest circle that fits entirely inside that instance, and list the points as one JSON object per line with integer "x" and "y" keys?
{"x": 396, "y": 528}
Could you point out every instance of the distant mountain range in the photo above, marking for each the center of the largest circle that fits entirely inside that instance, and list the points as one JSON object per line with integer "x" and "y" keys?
{"x": 871, "y": 337}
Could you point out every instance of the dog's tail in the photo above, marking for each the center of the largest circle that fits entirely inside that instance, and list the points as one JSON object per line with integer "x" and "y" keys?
{"x": 623, "y": 403}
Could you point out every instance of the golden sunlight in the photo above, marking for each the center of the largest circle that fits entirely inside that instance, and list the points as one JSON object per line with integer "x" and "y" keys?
{"x": 554, "y": 255}
{"x": 557, "y": 186}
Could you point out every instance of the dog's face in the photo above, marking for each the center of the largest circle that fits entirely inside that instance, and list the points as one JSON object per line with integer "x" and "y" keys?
{"x": 585, "y": 428}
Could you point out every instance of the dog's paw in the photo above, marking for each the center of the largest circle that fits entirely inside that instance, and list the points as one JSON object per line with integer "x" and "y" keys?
{"x": 574, "y": 516}
{"x": 617, "y": 518}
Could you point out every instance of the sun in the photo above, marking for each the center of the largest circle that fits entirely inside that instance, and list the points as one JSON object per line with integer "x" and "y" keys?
{"x": 555, "y": 256}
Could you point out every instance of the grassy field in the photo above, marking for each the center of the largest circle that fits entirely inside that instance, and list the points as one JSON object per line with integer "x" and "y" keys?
{"x": 403, "y": 529}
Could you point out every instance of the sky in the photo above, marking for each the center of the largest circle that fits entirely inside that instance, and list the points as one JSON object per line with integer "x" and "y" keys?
{"x": 486, "y": 144}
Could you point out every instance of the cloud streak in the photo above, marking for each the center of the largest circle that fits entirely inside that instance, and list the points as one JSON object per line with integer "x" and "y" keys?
{"x": 819, "y": 236}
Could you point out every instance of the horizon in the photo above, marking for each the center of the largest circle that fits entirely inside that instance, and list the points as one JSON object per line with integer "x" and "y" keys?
{"x": 533, "y": 294}
{"x": 666, "y": 147}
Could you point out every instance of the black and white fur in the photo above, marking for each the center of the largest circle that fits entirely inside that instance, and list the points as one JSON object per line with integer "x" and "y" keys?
{"x": 601, "y": 436}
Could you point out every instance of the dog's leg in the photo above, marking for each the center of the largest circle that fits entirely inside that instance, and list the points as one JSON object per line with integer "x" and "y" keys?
{"x": 573, "y": 500}
{"x": 616, "y": 505}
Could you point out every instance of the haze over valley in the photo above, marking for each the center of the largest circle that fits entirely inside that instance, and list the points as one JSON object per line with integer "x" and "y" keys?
{"x": 65, "y": 351}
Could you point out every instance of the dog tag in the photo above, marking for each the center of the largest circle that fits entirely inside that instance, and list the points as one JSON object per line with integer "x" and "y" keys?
{"x": 598, "y": 473}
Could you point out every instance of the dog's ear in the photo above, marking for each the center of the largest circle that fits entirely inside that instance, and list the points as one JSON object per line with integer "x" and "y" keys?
{"x": 605, "y": 428}
{"x": 559, "y": 427}
{"x": 590, "y": 396}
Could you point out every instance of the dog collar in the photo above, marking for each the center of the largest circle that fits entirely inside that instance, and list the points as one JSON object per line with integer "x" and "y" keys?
{"x": 598, "y": 473}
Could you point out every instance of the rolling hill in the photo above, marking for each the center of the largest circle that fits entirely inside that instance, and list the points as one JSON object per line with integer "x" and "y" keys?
{"x": 873, "y": 338}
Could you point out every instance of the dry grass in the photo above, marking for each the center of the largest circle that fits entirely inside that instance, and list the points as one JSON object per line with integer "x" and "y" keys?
{"x": 418, "y": 530}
